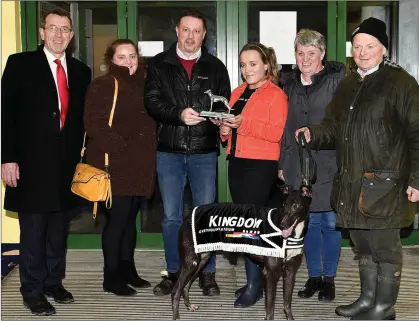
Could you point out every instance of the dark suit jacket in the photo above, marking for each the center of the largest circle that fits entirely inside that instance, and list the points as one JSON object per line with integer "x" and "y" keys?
{"x": 31, "y": 135}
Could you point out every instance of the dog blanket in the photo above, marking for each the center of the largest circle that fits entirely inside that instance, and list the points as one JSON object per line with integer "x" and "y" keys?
{"x": 241, "y": 228}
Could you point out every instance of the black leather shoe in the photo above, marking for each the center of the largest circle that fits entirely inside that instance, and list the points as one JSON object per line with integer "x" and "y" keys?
{"x": 327, "y": 292}
{"x": 312, "y": 286}
{"x": 208, "y": 284}
{"x": 59, "y": 294}
{"x": 129, "y": 274}
{"x": 166, "y": 285}
{"x": 113, "y": 283}
{"x": 39, "y": 305}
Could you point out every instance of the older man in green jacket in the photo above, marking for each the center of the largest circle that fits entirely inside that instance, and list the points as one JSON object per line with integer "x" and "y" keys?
{"x": 373, "y": 122}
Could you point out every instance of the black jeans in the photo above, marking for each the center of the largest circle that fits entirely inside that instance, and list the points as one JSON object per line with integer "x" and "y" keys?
{"x": 383, "y": 245}
{"x": 251, "y": 180}
{"x": 119, "y": 235}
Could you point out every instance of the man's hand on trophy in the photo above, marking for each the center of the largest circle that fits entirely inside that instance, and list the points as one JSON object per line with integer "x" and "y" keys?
{"x": 224, "y": 130}
{"x": 233, "y": 122}
{"x": 190, "y": 117}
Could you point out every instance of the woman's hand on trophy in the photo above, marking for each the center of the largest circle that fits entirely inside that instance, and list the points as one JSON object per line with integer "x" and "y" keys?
{"x": 190, "y": 117}
{"x": 233, "y": 122}
{"x": 224, "y": 130}
{"x": 216, "y": 121}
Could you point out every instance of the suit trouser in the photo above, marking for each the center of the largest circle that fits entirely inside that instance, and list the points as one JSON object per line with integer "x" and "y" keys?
{"x": 43, "y": 247}
{"x": 383, "y": 245}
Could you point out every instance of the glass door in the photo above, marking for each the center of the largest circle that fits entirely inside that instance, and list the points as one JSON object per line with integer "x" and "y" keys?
{"x": 97, "y": 28}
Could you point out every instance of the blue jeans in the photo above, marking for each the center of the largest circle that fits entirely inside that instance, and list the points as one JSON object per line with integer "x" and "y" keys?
{"x": 173, "y": 170}
{"x": 322, "y": 244}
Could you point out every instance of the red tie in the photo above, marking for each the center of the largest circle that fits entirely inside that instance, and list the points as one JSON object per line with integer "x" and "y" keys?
{"x": 62, "y": 90}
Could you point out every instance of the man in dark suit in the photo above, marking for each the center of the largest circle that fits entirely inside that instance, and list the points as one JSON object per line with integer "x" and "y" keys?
{"x": 43, "y": 94}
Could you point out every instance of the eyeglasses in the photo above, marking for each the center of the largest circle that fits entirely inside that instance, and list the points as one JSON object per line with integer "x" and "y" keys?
{"x": 54, "y": 28}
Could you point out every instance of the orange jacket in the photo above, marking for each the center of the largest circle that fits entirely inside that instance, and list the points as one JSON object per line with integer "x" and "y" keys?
{"x": 264, "y": 116}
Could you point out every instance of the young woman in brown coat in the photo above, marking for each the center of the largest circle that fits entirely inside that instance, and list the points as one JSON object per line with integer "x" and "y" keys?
{"x": 131, "y": 145}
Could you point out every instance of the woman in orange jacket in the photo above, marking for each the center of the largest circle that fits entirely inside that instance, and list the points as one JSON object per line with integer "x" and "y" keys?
{"x": 254, "y": 135}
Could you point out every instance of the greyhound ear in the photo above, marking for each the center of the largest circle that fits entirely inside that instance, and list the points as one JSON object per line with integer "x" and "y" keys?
{"x": 306, "y": 191}
{"x": 285, "y": 189}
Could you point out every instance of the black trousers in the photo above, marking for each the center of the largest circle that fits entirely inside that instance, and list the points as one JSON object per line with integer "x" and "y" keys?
{"x": 43, "y": 248}
{"x": 119, "y": 234}
{"x": 251, "y": 180}
{"x": 383, "y": 245}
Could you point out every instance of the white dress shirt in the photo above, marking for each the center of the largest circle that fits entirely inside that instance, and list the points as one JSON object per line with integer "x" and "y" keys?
{"x": 196, "y": 55}
{"x": 53, "y": 66}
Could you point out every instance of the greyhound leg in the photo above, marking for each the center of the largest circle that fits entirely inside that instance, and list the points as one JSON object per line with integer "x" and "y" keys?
{"x": 289, "y": 269}
{"x": 271, "y": 274}
{"x": 186, "y": 272}
{"x": 189, "y": 262}
{"x": 205, "y": 257}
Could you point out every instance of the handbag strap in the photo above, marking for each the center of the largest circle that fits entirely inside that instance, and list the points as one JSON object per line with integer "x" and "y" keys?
{"x": 115, "y": 96}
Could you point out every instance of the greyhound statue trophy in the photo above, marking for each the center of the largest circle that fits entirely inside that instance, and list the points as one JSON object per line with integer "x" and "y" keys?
{"x": 214, "y": 114}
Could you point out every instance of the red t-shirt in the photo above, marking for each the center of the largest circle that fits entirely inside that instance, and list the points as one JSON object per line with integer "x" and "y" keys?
{"x": 188, "y": 64}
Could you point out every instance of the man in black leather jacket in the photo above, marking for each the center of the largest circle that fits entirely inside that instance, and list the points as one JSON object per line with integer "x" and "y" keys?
{"x": 187, "y": 143}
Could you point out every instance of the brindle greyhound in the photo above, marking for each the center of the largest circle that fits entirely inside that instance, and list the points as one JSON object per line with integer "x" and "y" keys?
{"x": 290, "y": 217}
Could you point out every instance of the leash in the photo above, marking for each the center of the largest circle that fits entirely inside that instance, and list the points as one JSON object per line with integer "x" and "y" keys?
{"x": 308, "y": 163}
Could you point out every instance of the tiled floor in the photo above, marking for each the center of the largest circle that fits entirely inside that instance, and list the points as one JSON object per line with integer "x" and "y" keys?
{"x": 84, "y": 280}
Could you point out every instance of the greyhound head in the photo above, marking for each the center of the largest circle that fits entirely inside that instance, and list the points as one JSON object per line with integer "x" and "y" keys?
{"x": 295, "y": 208}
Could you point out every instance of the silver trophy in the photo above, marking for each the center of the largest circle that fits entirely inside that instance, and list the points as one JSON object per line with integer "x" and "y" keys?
{"x": 214, "y": 114}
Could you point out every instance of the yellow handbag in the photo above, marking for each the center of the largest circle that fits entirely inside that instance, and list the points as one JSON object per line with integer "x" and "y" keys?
{"x": 90, "y": 182}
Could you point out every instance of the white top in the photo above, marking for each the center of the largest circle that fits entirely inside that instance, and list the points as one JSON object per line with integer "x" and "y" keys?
{"x": 196, "y": 55}
{"x": 305, "y": 83}
{"x": 53, "y": 66}
{"x": 370, "y": 71}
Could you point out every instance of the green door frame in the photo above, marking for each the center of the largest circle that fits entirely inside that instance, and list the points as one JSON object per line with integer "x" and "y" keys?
{"x": 29, "y": 26}
{"x": 232, "y": 22}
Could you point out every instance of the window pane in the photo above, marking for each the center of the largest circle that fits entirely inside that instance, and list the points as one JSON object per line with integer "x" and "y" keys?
{"x": 310, "y": 14}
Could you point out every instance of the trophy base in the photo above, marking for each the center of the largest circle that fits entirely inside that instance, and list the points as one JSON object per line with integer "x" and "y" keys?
{"x": 213, "y": 114}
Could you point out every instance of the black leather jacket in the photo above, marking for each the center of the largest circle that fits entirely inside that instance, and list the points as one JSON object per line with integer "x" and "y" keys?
{"x": 168, "y": 91}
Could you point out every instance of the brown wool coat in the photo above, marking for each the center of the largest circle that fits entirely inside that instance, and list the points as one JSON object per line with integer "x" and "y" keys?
{"x": 131, "y": 141}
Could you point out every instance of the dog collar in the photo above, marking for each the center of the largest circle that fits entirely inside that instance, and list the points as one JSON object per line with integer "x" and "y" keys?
{"x": 287, "y": 243}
